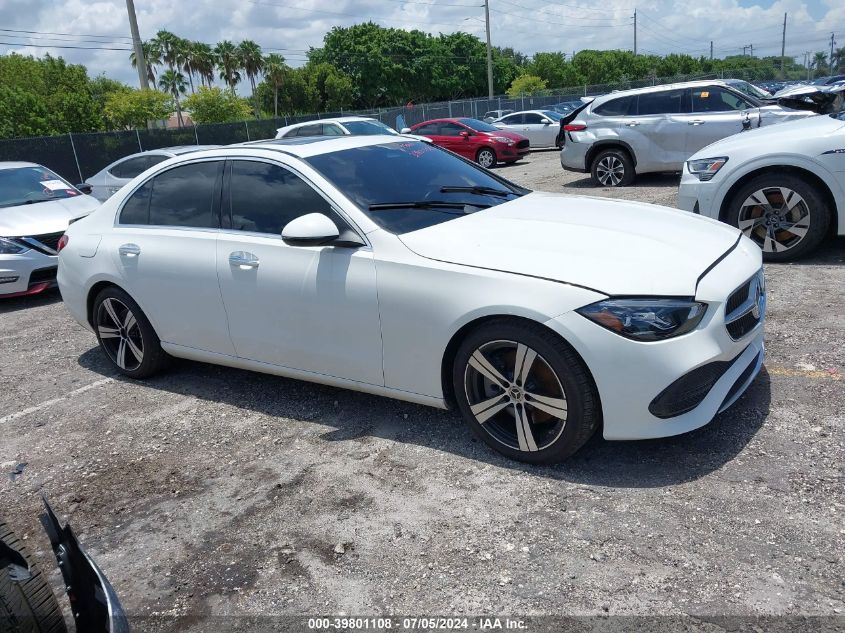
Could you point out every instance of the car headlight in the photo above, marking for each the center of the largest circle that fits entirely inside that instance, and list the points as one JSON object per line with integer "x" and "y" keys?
{"x": 503, "y": 139}
{"x": 10, "y": 247}
{"x": 646, "y": 319}
{"x": 706, "y": 168}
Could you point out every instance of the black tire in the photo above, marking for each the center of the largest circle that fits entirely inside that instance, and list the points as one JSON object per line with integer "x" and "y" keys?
{"x": 139, "y": 336}
{"x": 550, "y": 438}
{"x": 27, "y": 603}
{"x": 486, "y": 157}
{"x": 778, "y": 243}
{"x": 612, "y": 168}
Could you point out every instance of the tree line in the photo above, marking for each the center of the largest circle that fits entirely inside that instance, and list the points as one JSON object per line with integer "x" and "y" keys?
{"x": 357, "y": 67}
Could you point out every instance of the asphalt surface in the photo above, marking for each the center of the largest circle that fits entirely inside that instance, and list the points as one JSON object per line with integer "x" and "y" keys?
{"x": 212, "y": 491}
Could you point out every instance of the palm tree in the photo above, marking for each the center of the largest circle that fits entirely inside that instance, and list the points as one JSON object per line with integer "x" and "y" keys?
{"x": 152, "y": 57}
{"x": 252, "y": 61}
{"x": 203, "y": 62}
{"x": 275, "y": 70}
{"x": 183, "y": 59}
{"x": 819, "y": 62}
{"x": 168, "y": 46}
{"x": 228, "y": 61}
{"x": 174, "y": 82}
{"x": 839, "y": 56}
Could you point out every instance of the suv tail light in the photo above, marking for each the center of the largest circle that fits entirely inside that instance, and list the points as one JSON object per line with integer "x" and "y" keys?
{"x": 574, "y": 127}
{"x": 63, "y": 240}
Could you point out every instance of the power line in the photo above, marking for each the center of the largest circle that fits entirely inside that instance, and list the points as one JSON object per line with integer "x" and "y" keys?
{"x": 90, "y": 48}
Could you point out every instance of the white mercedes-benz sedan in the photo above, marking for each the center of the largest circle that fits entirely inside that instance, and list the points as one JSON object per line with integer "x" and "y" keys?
{"x": 389, "y": 265}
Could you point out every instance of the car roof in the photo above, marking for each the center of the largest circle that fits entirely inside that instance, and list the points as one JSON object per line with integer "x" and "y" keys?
{"x": 16, "y": 164}
{"x": 636, "y": 91}
{"x": 307, "y": 146}
{"x": 339, "y": 119}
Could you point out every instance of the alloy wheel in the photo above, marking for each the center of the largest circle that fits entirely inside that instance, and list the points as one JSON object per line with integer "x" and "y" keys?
{"x": 610, "y": 171}
{"x": 485, "y": 158}
{"x": 776, "y": 218}
{"x": 515, "y": 395}
{"x": 120, "y": 334}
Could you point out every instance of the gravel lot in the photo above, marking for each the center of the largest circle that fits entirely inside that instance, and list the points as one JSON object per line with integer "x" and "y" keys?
{"x": 217, "y": 491}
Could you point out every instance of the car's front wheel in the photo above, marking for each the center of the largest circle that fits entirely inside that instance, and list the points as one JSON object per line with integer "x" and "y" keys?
{"x": 486, "y": 157}
{"x": 612, "y": 168}
{"x": 783, "y": 214}
{"x": 126, "y": 336}
{"x": 525, "y": 393}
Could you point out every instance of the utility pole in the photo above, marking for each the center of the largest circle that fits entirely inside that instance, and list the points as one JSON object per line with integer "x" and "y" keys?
{"x": 830, "y": 59}
{"x": 140, "y": 62}
{"x": 809, "y": 59}
{"x": 489, "y": 50}
{"x": 783, "y": 45}
{"x": 711, "y": 49}
{"x": 635, "y": 32}
{"x": 751, "y": 46}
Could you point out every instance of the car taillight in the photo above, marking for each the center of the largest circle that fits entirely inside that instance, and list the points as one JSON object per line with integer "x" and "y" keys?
{"x": 63, "y": 240}
{"x": 574, "y": 127}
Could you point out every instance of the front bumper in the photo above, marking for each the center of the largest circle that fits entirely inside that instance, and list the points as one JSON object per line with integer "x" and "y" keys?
{"x": 512, "y": 152}
{"x": 698, "y": 196}
{"x": 629, "y": 375}
{"x": 27, "y": 273}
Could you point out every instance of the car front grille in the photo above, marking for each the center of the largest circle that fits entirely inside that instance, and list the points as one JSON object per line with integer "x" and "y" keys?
{"x": 746, "y": 307}
{"x": 45, "y": 243}
{"x": 523, "y": 144}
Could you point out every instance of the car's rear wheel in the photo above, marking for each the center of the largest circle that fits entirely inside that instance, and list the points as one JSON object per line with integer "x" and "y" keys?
{"x": 486, "y": 157}
{"x": 612, "y": 168}
{"x": 783, "y": 214}
{"x": 525, "y": 393}
{"x": 126, "y": 335}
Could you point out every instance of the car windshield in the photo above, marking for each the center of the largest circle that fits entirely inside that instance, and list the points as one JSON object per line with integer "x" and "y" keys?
{"x": 554, "y": 116}
{"x": 750, "y": 89}
{"x": 28, "y": 185}
{"x": 479, "y": 126}
{"x": 368, "y": 128}
{"x": 413, "y": 184}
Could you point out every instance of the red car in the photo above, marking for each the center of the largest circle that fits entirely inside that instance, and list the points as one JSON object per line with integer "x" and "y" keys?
{"x": 474, "y": 139}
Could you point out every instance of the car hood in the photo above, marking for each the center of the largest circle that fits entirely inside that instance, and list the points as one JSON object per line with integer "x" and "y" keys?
{"x": 787, "y": 136}
{"x": 612, "y": 246}
{"x": 817, "y": 99}
{"x": 52, "y": 216}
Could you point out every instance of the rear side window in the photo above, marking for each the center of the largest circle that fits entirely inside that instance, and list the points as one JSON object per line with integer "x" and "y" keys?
{"x": 182, "y": 196}
{"x": 664, "y": 102}
{"x": 264, "y": 197}
{"x": 616, "y": 107}
{"x": 130, "y": 167}
{"x": 430, "y": 129}
{"x": 716, "y": 99}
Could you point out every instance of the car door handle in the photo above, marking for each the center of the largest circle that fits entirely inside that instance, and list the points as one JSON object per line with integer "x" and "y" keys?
{"x": 243, "y": 260}
{"x": 633, "y": 123}
{"x": 129, "y": 250}
{"x": 696, "y": 122}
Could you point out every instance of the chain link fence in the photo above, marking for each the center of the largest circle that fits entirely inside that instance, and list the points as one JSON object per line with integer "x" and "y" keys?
{"x": 78, "y": 156}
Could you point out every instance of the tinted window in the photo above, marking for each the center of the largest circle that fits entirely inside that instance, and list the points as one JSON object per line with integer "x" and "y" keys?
{"x": 554, "y": 116}
{"x": 136, "y": 210}
{"x": 184, "y": 196}
{"x": 429, "y": 129}
{"x": 409, "y": 171}
{"x": 330, "y": 129}
{"x": 533, "y": 119}
{"x": 716, "y": 99}
{"x": 131, "y": 167}
{"x": 155, "y": 159}
{"x": 264, "y": 197}
{"x": 451, "y": 129}
{"x": 309, "y": 130}
{"x": 368, "y": 128}
{"x": 666, "y": 102}
{"x": 615, "y": 107}
{"x": 514, "y": 119}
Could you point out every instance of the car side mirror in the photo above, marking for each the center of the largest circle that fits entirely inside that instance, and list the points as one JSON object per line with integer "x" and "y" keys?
{"x": 465, "y": 134}
{"x": 85, "y": 188}
{"x": 313, "y": 229}
{"x": 406, "y": 130}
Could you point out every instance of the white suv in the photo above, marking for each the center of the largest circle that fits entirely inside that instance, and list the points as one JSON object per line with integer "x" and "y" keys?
{"x": 656, "y": 129}
{"x": 783, "y": 187}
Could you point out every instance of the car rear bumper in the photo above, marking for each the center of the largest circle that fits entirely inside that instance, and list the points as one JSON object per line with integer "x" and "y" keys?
{"x": 573, "y": 156}
{"x": 27, "y": 273}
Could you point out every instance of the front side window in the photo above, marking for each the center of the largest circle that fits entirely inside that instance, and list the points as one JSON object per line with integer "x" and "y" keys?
{"x": 451, "y": 129}
{"x": 663, "y": 102}
{"x": 409, "y": 185}
{"x": 264, "y": 197}
{"x": 182, "y": 196}
{"x": 554, "y": 116}
{"x": 716, "y": 99}
{"x": 26, "y": 185}
{"x": 130, "y": 167}
{"x": 532, "y": 118}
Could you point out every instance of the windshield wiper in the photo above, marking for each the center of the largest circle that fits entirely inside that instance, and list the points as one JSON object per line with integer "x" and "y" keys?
{"x": 434, "y": 205}
{"x": 484, "y": 191}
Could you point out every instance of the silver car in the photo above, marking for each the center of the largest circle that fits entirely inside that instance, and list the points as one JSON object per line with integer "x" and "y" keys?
{"x": 656, "y": 129}
{"x": 110, "y": 179}
{"x": 541, "y": 127}
{"x": 36, "y": 206}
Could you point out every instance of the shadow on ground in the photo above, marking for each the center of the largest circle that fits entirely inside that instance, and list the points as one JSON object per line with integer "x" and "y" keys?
{"x": 32, "y": 301}
{"x": 644, "y": 180}
{"x": 643, "y": 464}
